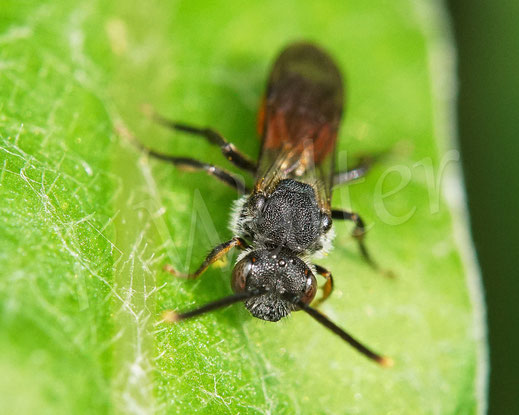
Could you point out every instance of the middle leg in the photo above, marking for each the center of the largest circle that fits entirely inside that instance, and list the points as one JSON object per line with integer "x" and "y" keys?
{"x": 192, "y": 164}
{"x": 359, "y": 171}
{"x": 230, "y": 152}
{"x": 359, "y": 233}
{"x": 188, "y": 163}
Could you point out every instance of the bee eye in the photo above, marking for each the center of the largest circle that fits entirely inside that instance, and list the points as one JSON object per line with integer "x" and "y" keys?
{"x": 240, "y": 274}
{"x": 310, "y": 291}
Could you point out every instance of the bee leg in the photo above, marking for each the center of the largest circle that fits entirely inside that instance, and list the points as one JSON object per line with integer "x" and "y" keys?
{"x": 359, "y": 171}
{"x": 327, "y": 287}
{"x": 229, "y": 151}
{"x": 194, "y": 165}
{"x": 359, "y": 233}
{"x": 188, "y": 163}
{"x": 216, "y": 253}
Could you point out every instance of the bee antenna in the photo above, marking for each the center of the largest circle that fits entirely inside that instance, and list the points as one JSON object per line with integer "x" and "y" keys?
{"x": 171, "y": 316}
{"x": 325, "y": 321}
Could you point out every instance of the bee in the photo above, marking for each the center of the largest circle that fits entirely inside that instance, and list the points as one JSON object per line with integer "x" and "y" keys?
{"x": 286, "y": 218}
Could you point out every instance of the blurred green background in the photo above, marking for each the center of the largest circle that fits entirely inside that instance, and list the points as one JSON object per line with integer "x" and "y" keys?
{"x": 487, "y": 35}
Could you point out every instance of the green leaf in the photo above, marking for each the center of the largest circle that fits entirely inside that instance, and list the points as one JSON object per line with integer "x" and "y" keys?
{"x": 87, "y": 221}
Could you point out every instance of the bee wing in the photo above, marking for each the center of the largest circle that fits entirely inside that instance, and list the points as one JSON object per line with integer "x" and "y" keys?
{"x": 299, "y": 120}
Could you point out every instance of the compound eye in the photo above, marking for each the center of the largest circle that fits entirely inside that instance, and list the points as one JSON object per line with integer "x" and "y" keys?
{"x": 310, "y": 291}
{"x": 240, "y": 273}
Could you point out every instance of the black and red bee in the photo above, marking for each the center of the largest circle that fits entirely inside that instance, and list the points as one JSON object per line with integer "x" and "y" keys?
{"x": 286, "y": 219}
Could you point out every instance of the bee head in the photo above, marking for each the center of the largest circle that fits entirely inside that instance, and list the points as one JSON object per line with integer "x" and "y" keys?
{"x": 281, "y": 277}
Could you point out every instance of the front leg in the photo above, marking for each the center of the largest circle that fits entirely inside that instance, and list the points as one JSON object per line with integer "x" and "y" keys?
{"x": 327, "y": 287}
{"x": 216, "y": 253}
